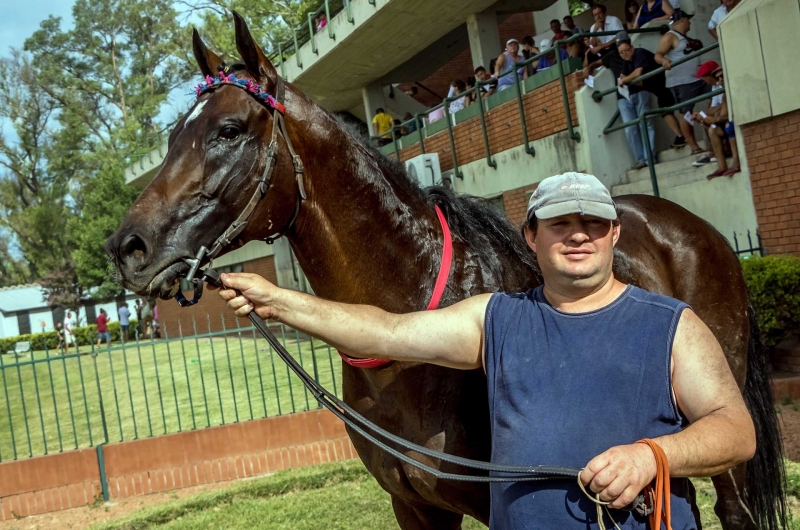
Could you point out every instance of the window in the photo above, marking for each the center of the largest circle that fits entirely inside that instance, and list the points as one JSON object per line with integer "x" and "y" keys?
{"x": 24, "y": 323}
{"x": 238, "y": 267}
{"x": 91, "y": 314}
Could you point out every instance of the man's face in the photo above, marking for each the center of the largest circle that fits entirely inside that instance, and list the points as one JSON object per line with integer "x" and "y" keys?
{"x": 730, "y": 4}
{"x": 512, "y": 48}
{"x": 625, "y": 51}
{"x": 481, "y": 75}
{"x": 555, "y": 26}
{"x": 598, "y": 15}
{"x": 574, "y": 249}
{"x": 682, "y": 25}
{"x": 569, "y": 22}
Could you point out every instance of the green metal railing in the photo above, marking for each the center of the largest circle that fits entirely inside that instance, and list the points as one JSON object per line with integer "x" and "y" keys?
{"x": 519, "y": 85}
{"x": 50, "y": 403}
{"x": 641, "y": 121}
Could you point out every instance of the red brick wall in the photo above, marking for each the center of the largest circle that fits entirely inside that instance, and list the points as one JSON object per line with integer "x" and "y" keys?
{"x": 544, "y": 116}
{"x": 460, "y": 66}
{"x": 217, "y": 454}
{"x": 170, "y": 313}
{"x": 773, "y": 154}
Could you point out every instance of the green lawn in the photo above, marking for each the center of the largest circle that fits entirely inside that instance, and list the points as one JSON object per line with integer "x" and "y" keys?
{"x": 151, "y": 388}
{"x": 326, "y": 497}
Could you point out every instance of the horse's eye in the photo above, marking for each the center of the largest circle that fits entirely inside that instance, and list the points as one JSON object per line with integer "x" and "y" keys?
{"x": 229, "y": 132}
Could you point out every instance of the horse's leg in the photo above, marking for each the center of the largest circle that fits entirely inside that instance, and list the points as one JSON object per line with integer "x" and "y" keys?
{"x": 731, "y": 508}
{"x": 421, "y": 517}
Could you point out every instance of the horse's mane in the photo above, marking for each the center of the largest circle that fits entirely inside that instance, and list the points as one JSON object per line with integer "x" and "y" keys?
{"x": 472, "y": 219}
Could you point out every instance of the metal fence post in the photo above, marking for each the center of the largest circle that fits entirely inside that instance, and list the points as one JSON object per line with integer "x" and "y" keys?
{"x": 329, "y": 24}
{"x": 573, "y": 134}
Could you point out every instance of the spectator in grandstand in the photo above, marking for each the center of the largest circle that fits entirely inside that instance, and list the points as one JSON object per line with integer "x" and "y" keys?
{"x": 482, "y": 75}
{"x": 555, "y": 27}
{"x": 399, "y": 131}
{"x": 707, "y": 72}
{"x": 550, "y": 59}
{"x": 472, "y": 96}
{"x": 529, "y": 49}
{"x": 412, "y": 92}
{"x": 576, "y": 48}
{"x": 720, "y": 128}
{"x": 457, "y": 87}
{"x": 412, "y": 125}
{"x": 569, "y": 23}
{"x": 603, "y": 22}
{"x": 681, "y": 79}
{"x": 653, "y": 10}
{"x": 381, "y": 124}
{"x": 631, "y": 13}
{"x": 505, "y": 61}
{"x": 321, "y": 20}
{"x": 720, "y": 13}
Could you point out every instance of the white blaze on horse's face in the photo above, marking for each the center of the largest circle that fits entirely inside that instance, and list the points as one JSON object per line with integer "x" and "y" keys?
{"x": 195, "y": 113}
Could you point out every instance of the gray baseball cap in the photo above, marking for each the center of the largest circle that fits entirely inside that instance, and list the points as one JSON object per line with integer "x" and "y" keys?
{"x": 571, "y": 193}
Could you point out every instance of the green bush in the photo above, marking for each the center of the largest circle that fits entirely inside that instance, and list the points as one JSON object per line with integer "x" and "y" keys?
{"x": 774, "y": 286}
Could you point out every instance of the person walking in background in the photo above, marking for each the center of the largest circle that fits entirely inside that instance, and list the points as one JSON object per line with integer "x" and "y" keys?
{"x": 147, "y": 318}
{"x": 124, "y": 322}
{"x": 102, "y": 328}
{"x": 381, "y": 124}
{"x": 62, "y": 344}
{"x": 68, "y": 336}
{"x": 155, "y": 324}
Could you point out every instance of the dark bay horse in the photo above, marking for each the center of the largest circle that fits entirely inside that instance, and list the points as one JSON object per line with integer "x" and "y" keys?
{"x": 367, "y": 234}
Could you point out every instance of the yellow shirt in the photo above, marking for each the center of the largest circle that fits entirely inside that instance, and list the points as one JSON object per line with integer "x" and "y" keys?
{"x": 384, "y": 122}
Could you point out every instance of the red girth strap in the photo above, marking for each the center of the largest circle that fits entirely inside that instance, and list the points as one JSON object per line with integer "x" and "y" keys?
{"x": 436, "y": 297}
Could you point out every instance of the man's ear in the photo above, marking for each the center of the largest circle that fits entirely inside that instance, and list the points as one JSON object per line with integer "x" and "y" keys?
{"x": 530, "y": 237}
{"x": 616, "y": 229}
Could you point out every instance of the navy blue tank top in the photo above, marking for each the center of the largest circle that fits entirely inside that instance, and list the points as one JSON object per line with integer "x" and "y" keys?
{"x": 650, "y": 14}
{"x": 565, "y": 387}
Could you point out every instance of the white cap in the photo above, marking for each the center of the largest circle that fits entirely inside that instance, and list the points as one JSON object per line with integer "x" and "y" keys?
{"x": 545, "y": 44}
{"x": 511, "y": 40}
{"x": 571, "y": 193}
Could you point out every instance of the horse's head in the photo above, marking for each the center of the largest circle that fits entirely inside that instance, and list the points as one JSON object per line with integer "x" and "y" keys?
{"x": 218, "y": 153}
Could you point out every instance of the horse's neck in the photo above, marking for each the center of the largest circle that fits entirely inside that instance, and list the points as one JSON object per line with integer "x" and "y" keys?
{"x": 360, "y": 238}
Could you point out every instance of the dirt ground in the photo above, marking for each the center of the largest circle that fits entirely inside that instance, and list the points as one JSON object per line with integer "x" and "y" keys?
{"x": 79, "y": 518}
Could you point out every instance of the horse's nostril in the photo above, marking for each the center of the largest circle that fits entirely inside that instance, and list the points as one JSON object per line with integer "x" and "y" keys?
{"x": 133, "y": 247}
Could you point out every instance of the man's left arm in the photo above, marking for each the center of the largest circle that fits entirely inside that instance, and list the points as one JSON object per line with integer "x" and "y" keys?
{"x": 720, "y": 434}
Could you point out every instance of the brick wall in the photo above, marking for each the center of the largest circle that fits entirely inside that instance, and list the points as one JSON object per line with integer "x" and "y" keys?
{"x": 544, "y": 116}
{"x": 460, "y": 66}
{"x": 217, "y": 454}
{"x": 773, "y": 154}
{"x": 170, "y": 313}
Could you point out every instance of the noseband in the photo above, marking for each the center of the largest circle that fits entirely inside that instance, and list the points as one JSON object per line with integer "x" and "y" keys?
{"x": 277, "y": 109}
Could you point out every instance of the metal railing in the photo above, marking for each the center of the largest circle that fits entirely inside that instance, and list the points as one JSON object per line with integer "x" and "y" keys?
{"x": 750, "y": 250}
{"x": 641, "y": 121}
{"x": 519, "y": 85}
{"x": 50, "y": 403}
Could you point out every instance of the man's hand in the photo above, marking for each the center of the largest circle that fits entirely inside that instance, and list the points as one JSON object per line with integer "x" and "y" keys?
{"x": 666, "y": 64}
{"x": 256, "y": 293}
{"x": 620, "y": 474}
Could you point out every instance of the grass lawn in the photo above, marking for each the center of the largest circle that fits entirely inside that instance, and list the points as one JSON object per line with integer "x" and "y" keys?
{"x": 50, "y": 403}
{"x": 326, "y": 497}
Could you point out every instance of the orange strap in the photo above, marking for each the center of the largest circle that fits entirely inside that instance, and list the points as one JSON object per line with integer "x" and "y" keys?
{"x": 660, "y": 493}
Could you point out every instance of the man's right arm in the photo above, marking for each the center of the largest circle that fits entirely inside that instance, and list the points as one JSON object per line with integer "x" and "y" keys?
{"x": 451, "y": 337}
{"x": 663, "y": 49}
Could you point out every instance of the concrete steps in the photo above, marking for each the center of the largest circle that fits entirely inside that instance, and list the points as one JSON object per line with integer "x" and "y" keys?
{"x": 674, "y": 168}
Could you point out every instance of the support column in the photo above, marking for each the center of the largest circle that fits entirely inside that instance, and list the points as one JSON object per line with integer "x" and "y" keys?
{"x": 484, "y": 38}
{"x": 373, "y": 99}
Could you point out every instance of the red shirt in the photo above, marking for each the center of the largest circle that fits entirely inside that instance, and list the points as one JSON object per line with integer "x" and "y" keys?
{"x": 102, "y": 323}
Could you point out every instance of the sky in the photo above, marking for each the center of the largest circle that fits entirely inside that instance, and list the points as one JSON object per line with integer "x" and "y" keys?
{"x": 22, "y": 17}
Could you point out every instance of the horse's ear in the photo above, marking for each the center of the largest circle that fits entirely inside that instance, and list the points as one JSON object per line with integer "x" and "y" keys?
{"x": 255, "y": 60}
{"x": 207, "y": 60}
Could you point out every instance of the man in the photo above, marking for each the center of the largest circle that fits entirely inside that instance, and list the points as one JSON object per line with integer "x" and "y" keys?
{"x": 719, "y": 129}
{"x": 569, "y": 22}
{"x": 481, "y": 75}
{"x": 505, "y": 61}
{"x": 719, "y": 14}
{"x": 578, "y": 369}
{"x": 681, "y": 80}
{"x": 382, "y": 123}
{"x": 124, "y": 321}
{"x": 555, "y": 27}
{"x": 62, "y": 344}
{"x": 603, "y": 22}
{"x": 102, "y": 328}
{"x": 550, "y": 59}
{"x": 707, "y": 72}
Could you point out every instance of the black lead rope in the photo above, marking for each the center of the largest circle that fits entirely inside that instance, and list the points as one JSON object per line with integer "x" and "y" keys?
{"x": 361, "y": 425}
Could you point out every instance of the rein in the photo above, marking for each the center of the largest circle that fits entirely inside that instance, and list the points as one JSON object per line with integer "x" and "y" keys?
{"x": 352, "y": 419}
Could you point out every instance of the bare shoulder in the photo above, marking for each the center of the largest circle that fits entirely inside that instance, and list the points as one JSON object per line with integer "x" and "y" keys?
{"x": 696, "y": 347}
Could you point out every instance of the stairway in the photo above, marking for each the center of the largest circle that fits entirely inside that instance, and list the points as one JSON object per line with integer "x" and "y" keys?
{"x": 674, "y": 168}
